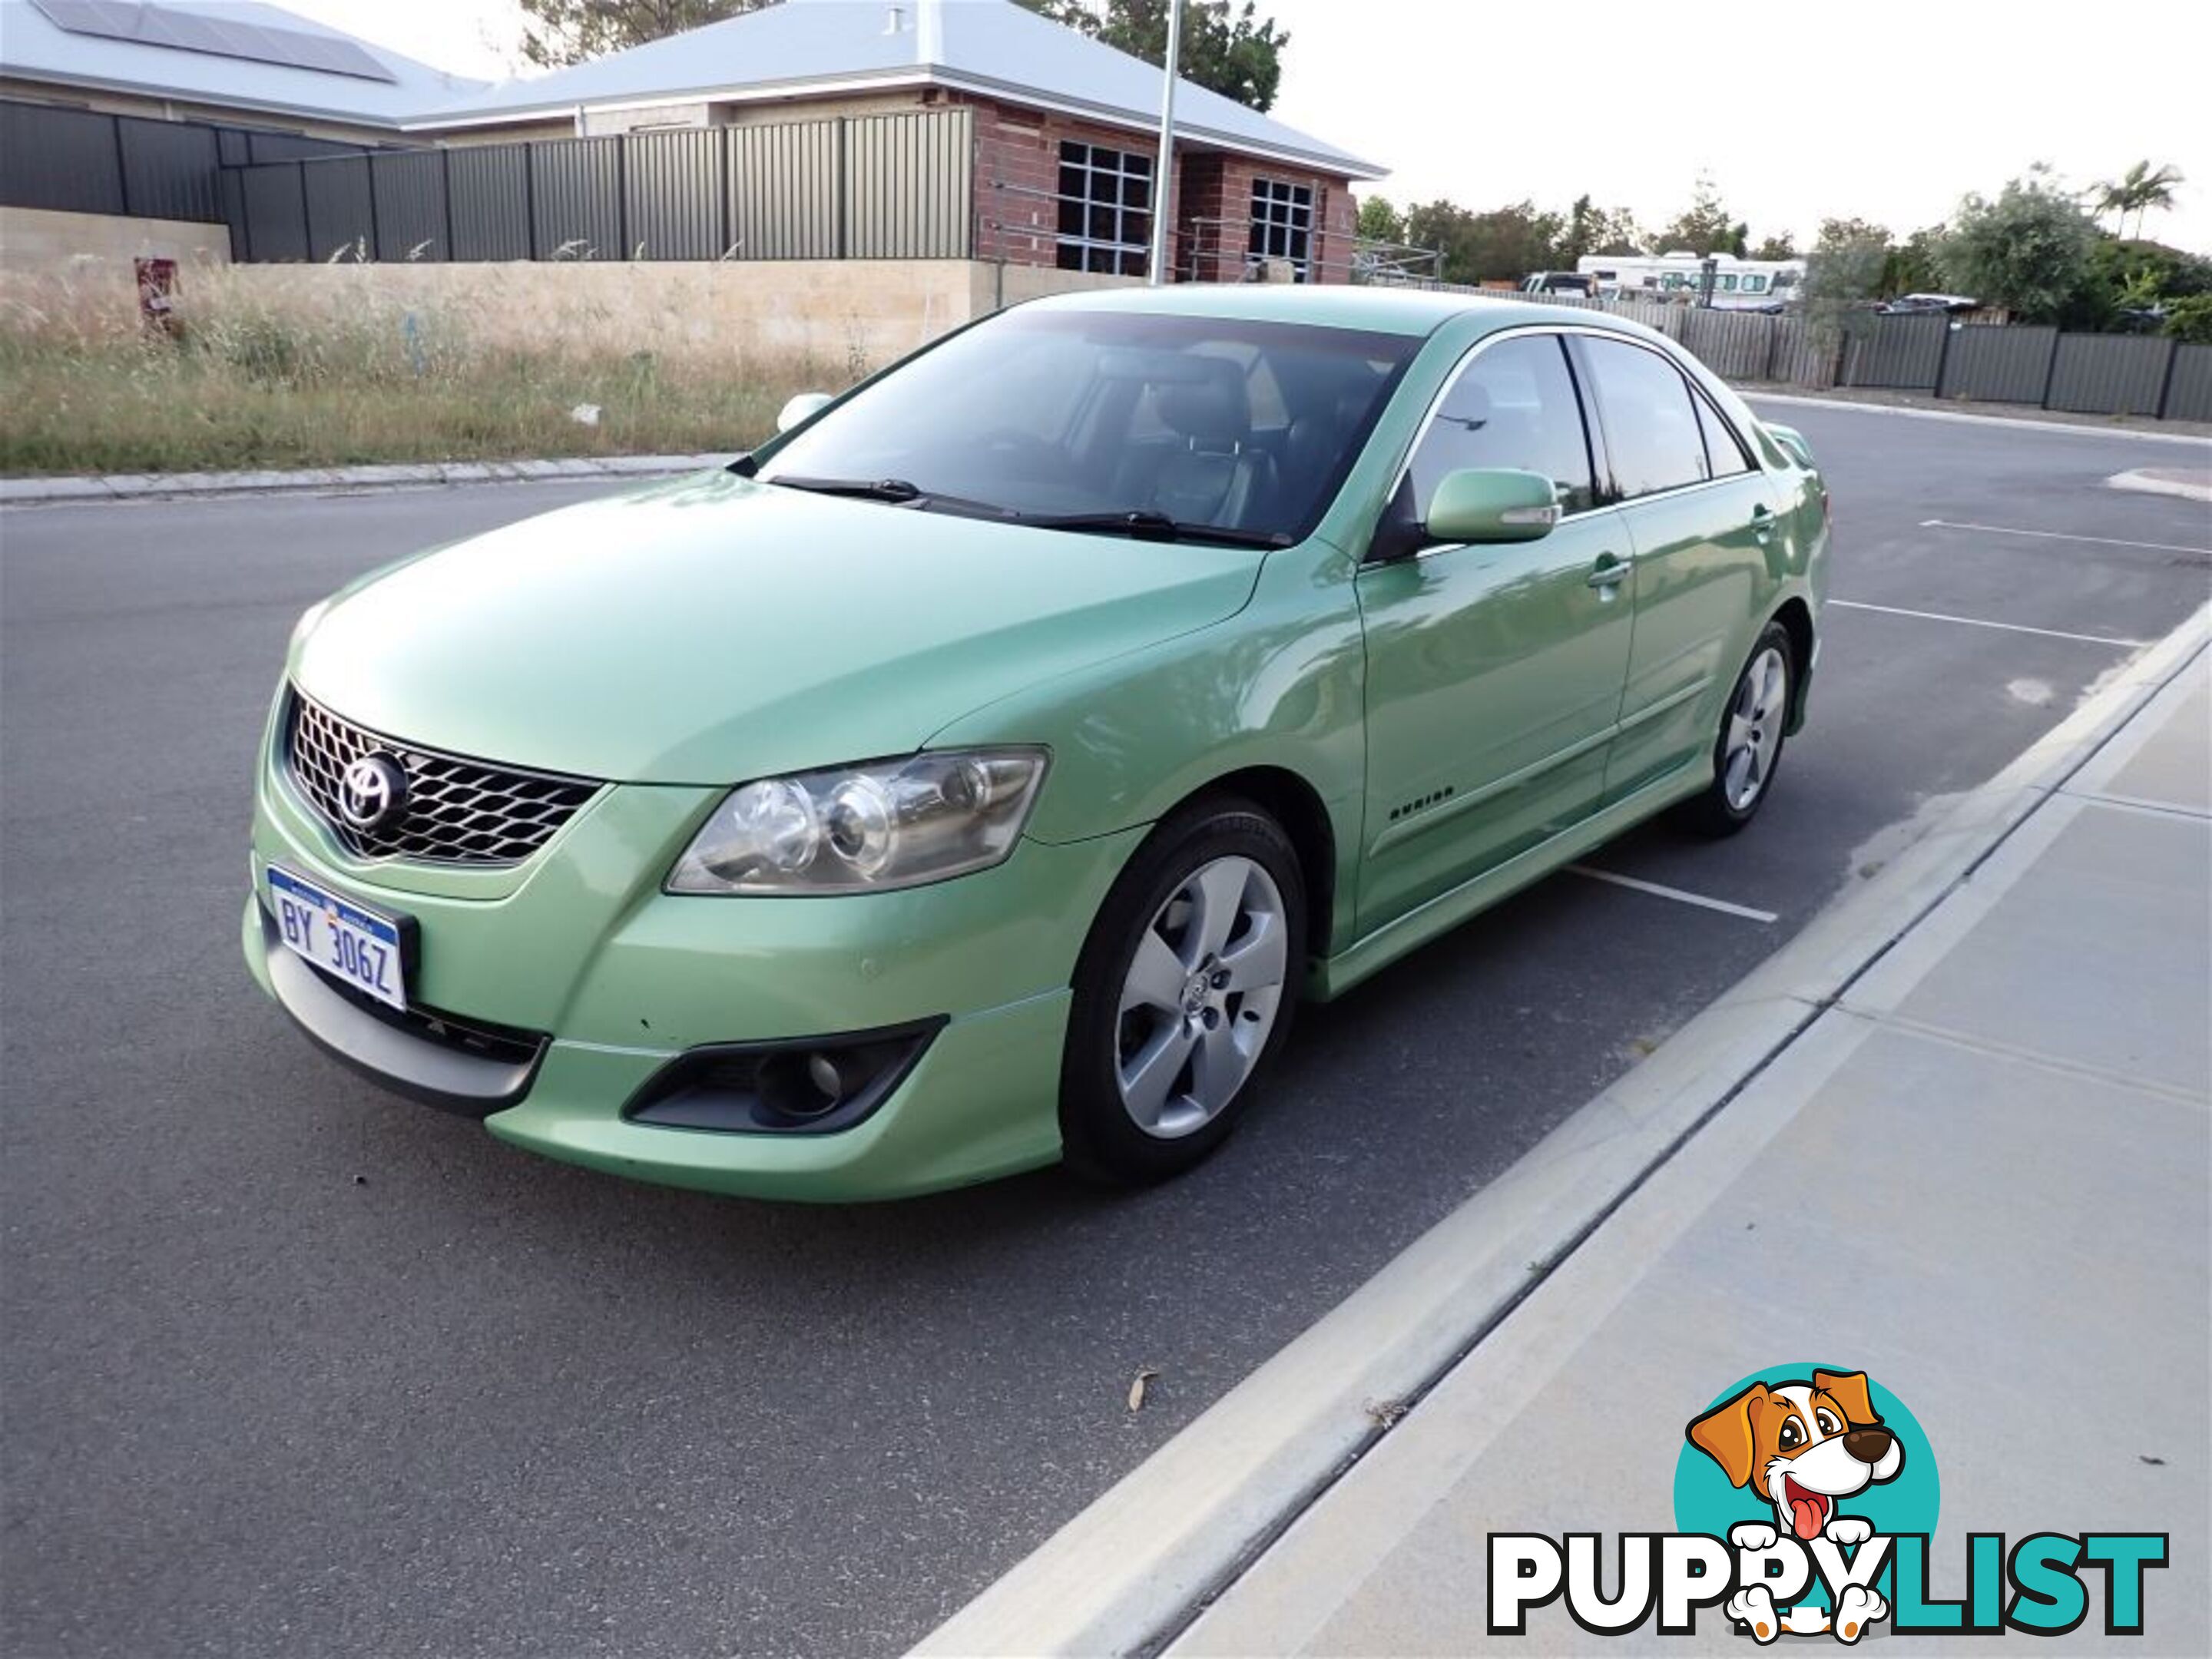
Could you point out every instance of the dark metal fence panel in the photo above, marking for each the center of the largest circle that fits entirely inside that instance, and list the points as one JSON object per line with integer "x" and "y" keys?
{"x": 1998, "y": 362}
{"x": 408, "y": 189}
{"x": 783, "y": 191}
{"x": 341, "y": 212}
{"x": 291, "y": 147}
{"x": 490, "y": 188}
{"x": 907, "y": 185}
{"x": 673, "y": 196}
{"x": 2109, "y": 374}
{"x": 275, "y": 212}
{"x": 576, "y": 198}
{"x": 1900, "y": 352}
{"x": 168, "y": 168}
{"x": 65, "y": 159}
{"x": 2188, "y": 384}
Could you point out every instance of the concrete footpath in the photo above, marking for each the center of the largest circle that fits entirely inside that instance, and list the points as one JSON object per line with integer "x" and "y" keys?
{"x": 1956, "y": 1135}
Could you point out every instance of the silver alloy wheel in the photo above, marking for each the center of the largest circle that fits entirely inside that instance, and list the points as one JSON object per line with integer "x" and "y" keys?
{"x": 1201, "y": 996}
{"x": 1754, "y": 728}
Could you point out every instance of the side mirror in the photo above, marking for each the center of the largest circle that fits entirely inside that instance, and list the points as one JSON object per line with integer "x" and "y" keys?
{"x": 802, "y": 408}
{"x": 1492, "y": 504}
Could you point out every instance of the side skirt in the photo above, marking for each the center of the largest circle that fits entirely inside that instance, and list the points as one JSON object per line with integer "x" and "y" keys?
{"x": 1332, "y": 977}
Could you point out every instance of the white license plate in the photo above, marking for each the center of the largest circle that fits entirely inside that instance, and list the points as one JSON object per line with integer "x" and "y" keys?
{"x": 355, "y": 945}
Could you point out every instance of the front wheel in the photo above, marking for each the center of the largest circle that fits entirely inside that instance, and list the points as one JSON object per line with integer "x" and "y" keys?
{"x": 1749, "y": 749}
{"x": 1184, "y": 993}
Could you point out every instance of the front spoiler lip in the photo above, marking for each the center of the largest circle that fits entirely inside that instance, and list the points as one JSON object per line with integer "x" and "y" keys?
{"x": 469, "y": 1085}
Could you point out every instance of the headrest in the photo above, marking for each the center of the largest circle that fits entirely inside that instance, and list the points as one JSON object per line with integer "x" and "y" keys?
{"x": 1214, "y": 413}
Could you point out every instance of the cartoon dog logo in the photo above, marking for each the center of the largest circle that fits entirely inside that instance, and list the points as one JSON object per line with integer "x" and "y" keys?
{"x": 1801, "y": 1447}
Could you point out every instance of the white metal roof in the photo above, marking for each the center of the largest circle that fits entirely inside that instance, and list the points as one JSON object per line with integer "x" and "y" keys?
{"x": 32, "y": 48}
{"x": 824, "y": 46}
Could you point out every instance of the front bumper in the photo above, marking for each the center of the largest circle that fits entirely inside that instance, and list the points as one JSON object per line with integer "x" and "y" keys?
{"x": 579, "y": 948}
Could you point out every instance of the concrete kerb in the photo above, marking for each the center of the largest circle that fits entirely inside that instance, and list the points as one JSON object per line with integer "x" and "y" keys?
{"x": 143, "y": 486}
{"x": 2077, "y": 429}
{"x": 1130, "y": 1571}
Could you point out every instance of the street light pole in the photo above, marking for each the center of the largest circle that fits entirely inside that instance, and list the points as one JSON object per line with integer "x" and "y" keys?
{"x": 1164, "y": 172}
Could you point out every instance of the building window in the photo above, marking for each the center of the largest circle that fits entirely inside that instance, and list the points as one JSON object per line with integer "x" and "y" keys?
{"x": 1105, "y": 210}
{"x": 1282, "y": 224}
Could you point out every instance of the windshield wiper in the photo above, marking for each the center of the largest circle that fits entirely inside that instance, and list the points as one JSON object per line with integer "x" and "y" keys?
{"x": 1146, "y": 526}
{"x": 900, "y": 493}
{"x": 869, "y": 489}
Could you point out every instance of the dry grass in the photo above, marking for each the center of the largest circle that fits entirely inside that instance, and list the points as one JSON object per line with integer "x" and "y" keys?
{"x": 247, "y": 386}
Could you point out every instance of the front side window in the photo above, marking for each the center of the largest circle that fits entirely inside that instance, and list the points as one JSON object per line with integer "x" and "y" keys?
{"x": 1192, "y": 423}
{"x": 1513, "y": 406}
{"x": 1105, "y": 210}
{"x": 1282, "y": 223}
{"x": 1651, "y": 430}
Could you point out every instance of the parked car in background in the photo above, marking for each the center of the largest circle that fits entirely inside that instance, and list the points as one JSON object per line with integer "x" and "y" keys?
{"x": 1907, "y": 304}
{"x": 979, "y": 774}
{"x": 1560, "y": 282}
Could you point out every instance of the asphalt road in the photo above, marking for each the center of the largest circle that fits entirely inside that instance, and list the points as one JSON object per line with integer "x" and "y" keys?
{"x": 293, "y": 1368}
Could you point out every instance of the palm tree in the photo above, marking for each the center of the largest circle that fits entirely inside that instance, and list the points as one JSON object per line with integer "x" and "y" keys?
{"x": 2137, "y": 190}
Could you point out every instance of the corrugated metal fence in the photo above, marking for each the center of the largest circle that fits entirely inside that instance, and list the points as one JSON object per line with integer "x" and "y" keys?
{"x": 2082, "y": 374}
{"x": 78, "y": 161}
{"x": 860, "y": 187}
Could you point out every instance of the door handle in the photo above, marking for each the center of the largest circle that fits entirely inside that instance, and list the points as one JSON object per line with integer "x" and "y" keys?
{"x": 1612, "y": 571}
{"x": 1762, "y": 524}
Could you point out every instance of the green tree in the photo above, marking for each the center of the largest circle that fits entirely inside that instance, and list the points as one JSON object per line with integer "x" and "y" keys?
{"x": 1226, "y": 48}
{"x": 1592, "y": 229}
{"x": 1846, "y": 265}
{"x": 558, "y": 32}
{"x": 1705, "y": 227}
{"x": 2134, "y": 276}
{"x": 2137, "y": 190}
{"x": 1776, "y": 247}
{"x": 1912, "y": 266}
{"x": 2189, "y": 320}
{"x": 2029, "y": 250}
{"x": 1380, "y": 220}
{"x": 1507, "y": 242}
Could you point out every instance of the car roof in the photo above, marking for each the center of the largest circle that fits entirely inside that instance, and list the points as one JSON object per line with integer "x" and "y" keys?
{"x": 1382, "y": 310}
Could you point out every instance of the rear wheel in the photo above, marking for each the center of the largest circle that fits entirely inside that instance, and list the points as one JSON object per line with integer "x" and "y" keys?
{"x": 1749, "y": 749}
{"x": 1183, "y": 994}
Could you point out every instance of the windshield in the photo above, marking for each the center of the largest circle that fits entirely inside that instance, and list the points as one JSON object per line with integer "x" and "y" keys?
{"x": 1132, "y": 421}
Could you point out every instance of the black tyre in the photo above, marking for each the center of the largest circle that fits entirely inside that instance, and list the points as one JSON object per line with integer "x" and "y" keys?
{"x": 1184, "y": 994}
{"x": 1748, "y": 752}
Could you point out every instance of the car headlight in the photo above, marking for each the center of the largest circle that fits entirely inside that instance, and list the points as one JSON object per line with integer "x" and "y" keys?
{"x": 864, "y": 828}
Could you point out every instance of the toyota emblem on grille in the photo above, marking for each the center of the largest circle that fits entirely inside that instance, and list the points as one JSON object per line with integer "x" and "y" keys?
{"x": 374, "y": 792}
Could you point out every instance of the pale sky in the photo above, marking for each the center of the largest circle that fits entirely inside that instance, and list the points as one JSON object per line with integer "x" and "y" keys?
{"x": 1798, "y": 111}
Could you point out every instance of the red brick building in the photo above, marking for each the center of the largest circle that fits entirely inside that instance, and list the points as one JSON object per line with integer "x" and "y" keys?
{"x": 1064, "y": 131}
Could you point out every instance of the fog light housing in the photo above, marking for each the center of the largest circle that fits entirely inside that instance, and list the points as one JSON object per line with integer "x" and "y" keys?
{"x": 816, "y": 1086}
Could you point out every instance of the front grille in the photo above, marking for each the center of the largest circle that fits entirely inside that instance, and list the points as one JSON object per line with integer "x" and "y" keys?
{"x": 458, "y": 810}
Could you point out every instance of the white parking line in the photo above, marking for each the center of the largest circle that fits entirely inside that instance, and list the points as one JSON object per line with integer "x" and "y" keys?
{"x": 2061, "y": 536}
{"x": 1977, "y": 621}
{"x": 1674, "y": 893}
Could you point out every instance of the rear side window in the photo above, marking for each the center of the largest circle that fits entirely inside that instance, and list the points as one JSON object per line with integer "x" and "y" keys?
{"x": 1514, "y": 405}
{"x": 1651, "y": 429}
{"x": 1724, "y": 450}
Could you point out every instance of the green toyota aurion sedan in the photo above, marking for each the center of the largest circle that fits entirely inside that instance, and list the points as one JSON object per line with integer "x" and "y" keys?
{"x": 979, "y": 774}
